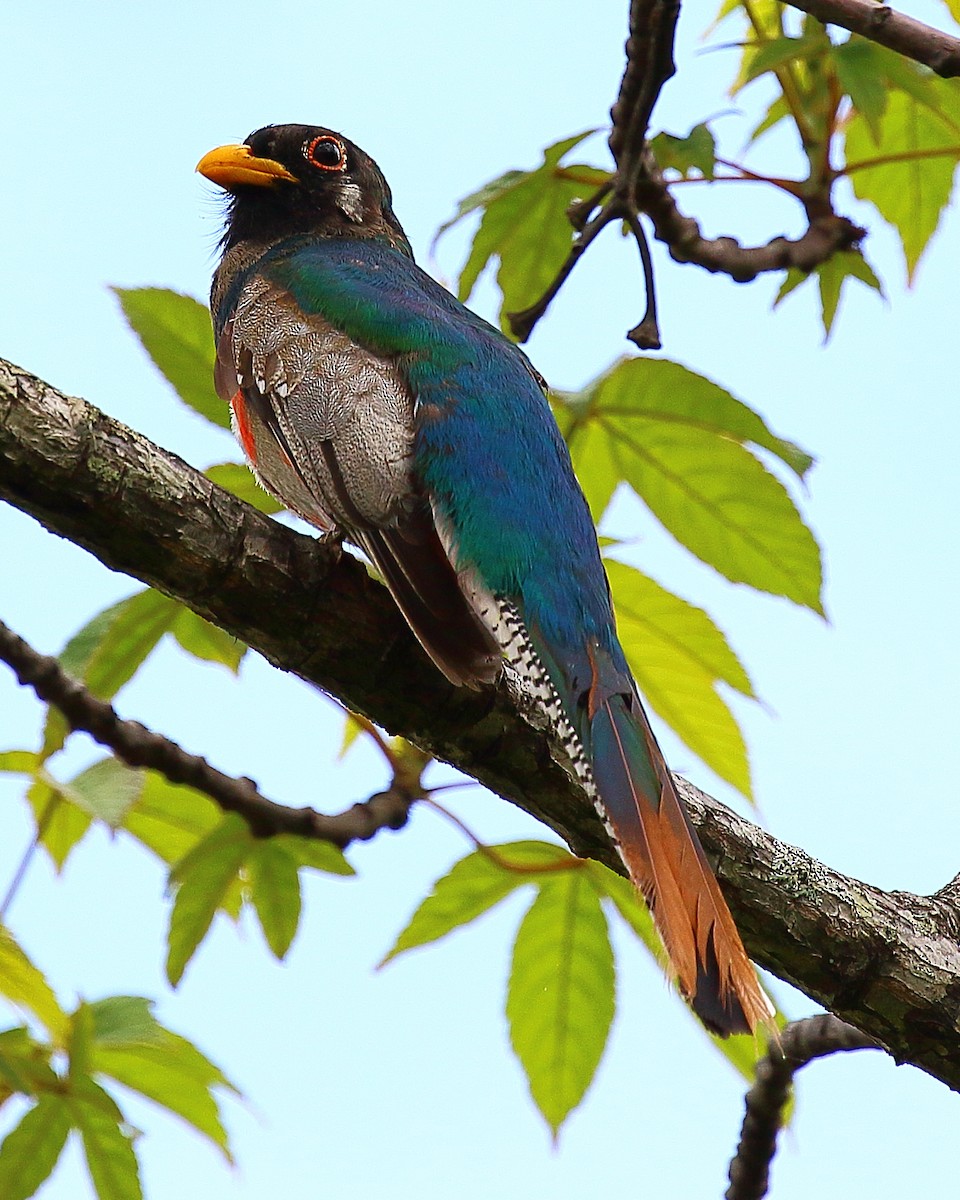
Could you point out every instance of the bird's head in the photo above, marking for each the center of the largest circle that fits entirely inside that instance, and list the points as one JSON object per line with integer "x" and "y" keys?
{"x": 302, "y": 179}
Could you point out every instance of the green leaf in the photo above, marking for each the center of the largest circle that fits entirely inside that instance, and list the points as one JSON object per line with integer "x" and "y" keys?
{"x": 525, "y": 226}
{"x": 352, "y": 729}
{"x": 776, "y": 53}
{"x": 25, "y": 987}
{"x": 173, "y": 1074}
{"x": 123, "y": 1021}
{"x": 312, "y": 852}
{"x": 630, "y": 906}
{"x": 834, "y": 273}
{"x": 238, "y": 479}
{"x": 169, "y": 818}
{"x": 109, "y": 1149}
{"x": 856, "y": 67}
{"x": 910, "y": 194}
{"x": 176, "y": 332}
{"x": 778, "y": 111}
{"x": 30, "y": 1151}
{"x": 80, "y": 1042}
{"x": 561, "y": 994}
{"x": 107, "y": 790}
{"x": 678, "y": 656}
{"x": 19, "y": 762}
{"x": 60, "y": 822}
{"x": 680, "y": 441}
{"x": 207, "y": 641}
{"x": 480, "y": 199}
{"x": 275, "y": 892}
{"x": 109, "y": 649}
{"x": 203, "y": 878}
{"x": 472, "y": 887}
{"x": 694, "y": 153}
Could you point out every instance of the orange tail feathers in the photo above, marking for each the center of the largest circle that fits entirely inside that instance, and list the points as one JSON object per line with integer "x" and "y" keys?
{"x": 666, "y": 862}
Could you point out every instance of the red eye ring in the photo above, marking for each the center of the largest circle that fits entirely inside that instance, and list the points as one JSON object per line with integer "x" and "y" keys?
{"x": 325, "y": 143}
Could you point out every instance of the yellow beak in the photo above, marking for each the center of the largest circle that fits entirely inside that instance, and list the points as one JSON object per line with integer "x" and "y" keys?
{"x": 228, "y": 166}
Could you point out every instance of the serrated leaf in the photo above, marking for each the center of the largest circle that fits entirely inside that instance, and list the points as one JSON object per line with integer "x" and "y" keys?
{"x": 680, "y": 441}
{"x": 238, "y": 479}
{"x": 525, "y": 226}
{"x": 315, "y": 853}
{"x": 175, "y": 330}
{"x": 678, "y": 656}
{"x": 472, "y": 887}
{"x": 910, "y": 194}
{"x": 203, "y": 878}
{"x": 123, "y": 1021}
{"x": 207, "y": 641}
{"x": 60, "y": 822}
{"x": 107, "y": 790}
{"x": 173, "y": 1074}
{"x": 695, "y": 152}
{"x": 108, "y": 1148}
{"x": 561, "y": 994}
{"x": 24, "y": 985}
{"x": 777, "y": 52}
{"x": 480, "y": 199}
{"x": 31, "y": 1150}
{"x": 169, "y": 818}
{"x": 275, "y": 892}
{"x": 834, "y": 273}
{"x": 109, "y": 649}
{"x": 25, "y": 1062}
{"x": 778, "y": 111}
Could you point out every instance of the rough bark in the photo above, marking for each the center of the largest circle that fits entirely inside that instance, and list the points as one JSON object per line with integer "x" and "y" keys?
{"x": 887, "y": 962}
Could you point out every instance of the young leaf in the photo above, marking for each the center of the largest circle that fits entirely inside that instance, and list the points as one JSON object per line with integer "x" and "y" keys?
{"x": 30, "y": 1151}
{"x": 912, "y": 193}
{"x": 678, "y": 656}
{"x": 207, "y": 641}
{"x": 25, "y": 987}
{"x": 173, "y": 1074}
{"x": 856, "y": 68}
{"x": 109, "y": 649}
{"x": 311, "y": 852}
{"x": 124, "y": 1020}
{"x": 60, "y": 822}
{"x": 472, "y": 887}
{"x": 694, "y": 153}
{"x": 107, "y": 790}
{"x": 203, "y": 879}
{"x": 275, "y": 892}
{"x": 561, "y": 994}
{"x": 680, "y": 441}
{"x": 176, "y": 332}
{"x": 238, "y": 479}
{"x": 108, "y": 1148}
{"x": 169, "y": 818}
{"x": 19, "y": 762}
{"x": 525, "y": 225}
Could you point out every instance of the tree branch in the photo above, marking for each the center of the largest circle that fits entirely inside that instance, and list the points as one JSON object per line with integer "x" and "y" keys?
{"x": 138, "y": 746}
{"x": 935, "y": 49}
{"x": 887, "y": 962}
{"x": 800, "y": 1043}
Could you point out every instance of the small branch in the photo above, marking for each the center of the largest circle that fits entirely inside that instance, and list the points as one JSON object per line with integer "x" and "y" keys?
{"x": 932, "y": 47}
{"x": 800, "y": 1043}
{"x": 646, "y": 335}
{"x": 138, "y": 746}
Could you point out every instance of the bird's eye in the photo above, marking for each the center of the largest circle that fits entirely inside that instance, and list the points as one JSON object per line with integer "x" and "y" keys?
{"x": 325, "y": 152}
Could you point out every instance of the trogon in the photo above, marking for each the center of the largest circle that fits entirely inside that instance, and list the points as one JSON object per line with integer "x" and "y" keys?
{"x": 374, "y": 404}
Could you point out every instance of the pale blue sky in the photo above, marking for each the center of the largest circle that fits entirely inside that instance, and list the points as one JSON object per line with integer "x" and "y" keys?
{"x": 400, "y": 1084}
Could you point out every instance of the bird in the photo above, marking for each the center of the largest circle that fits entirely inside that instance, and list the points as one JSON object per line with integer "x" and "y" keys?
{"x": 379, "y": 408}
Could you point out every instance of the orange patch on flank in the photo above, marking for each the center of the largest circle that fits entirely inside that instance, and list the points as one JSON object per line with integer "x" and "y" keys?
{"x": 593, "y": 697}
{"x": 244, "y": 426}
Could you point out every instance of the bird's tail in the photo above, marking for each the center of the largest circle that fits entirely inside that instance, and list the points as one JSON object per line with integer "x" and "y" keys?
{"x": 663, "y": 855}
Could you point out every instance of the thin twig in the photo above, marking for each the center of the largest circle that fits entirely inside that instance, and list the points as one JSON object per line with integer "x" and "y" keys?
{"x": 800, "y": 1043}
{"x": 138, "y": 746}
